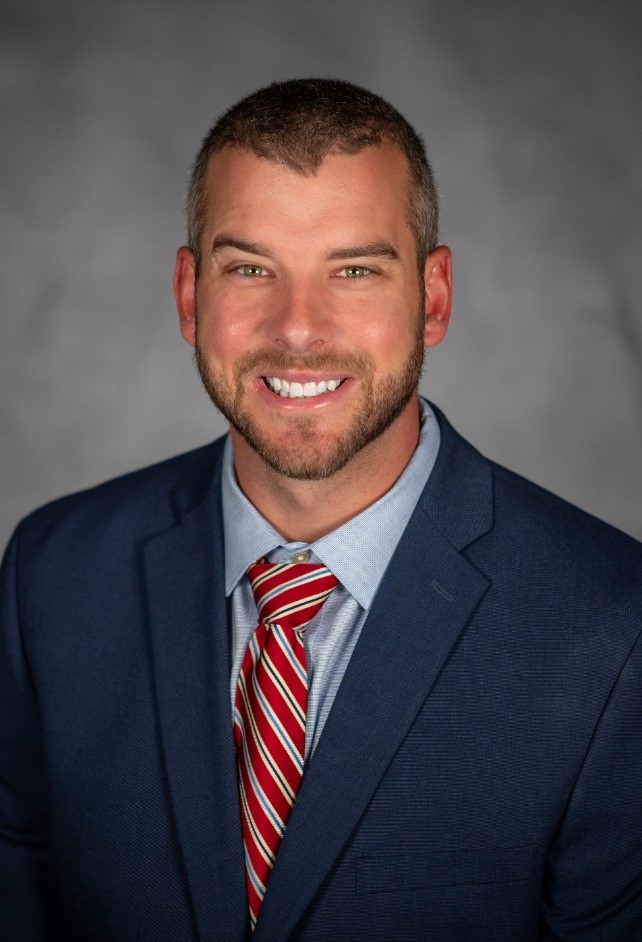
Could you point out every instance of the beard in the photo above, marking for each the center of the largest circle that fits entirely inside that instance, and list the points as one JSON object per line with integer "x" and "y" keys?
{"x": 304, "y": 450}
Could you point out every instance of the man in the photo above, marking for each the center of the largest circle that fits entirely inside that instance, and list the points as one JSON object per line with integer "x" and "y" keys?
{"x": 440, "y": 736}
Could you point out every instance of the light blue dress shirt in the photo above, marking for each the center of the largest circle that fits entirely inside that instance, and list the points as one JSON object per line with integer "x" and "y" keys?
{"x": 357, "y": 553}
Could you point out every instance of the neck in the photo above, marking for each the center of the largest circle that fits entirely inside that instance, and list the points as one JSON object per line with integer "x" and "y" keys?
{"x": 304, "y": 511}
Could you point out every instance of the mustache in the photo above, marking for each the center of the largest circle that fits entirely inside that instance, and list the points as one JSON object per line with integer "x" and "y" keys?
{"x": 270, "y": 362}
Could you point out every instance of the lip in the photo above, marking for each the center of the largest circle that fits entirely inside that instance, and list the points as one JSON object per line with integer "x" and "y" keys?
{"x": 304, "y": 403}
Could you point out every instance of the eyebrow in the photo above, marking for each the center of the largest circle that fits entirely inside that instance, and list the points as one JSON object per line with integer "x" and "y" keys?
{"x": 369, "y": 250}
{"x": 226, "y": 242}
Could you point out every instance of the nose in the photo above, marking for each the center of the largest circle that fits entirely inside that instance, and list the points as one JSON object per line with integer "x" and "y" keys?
{"x": 300, "y": 322}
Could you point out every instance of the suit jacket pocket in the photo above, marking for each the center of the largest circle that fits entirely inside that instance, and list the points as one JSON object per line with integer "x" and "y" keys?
{"x": 460, "y": 867}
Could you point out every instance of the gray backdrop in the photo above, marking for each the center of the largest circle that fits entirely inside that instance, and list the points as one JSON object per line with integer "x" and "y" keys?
{"x": 531, "y": 113}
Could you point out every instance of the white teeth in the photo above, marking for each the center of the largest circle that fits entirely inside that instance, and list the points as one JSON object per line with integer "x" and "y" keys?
{"x": 299, "y": 390}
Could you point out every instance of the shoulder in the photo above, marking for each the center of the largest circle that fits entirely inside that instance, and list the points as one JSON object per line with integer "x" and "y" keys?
{"x": 534, "y": 543}
{"x": 548, "y": 525}
{"x": 131, "y": 506}
{"x": 565, "y": 556}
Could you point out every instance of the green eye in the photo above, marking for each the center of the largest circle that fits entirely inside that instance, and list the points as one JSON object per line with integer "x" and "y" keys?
{"x": 251, "y": 271}
{"x": 356, "y": 271}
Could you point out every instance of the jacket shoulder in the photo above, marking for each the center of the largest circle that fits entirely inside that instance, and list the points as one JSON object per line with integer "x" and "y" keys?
{"x": 140, "y": 501}
{"x": 516, "y": 503}
{"x": 529, "y": 540}
{"x": 551, "y": 556}
{"x": 539, "y": 513}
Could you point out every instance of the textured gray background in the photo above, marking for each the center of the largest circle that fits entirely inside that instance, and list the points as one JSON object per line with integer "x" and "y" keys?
{"x": 531, "y": 113}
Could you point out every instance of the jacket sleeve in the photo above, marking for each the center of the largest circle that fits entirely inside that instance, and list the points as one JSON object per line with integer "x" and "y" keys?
{"x": 28, "y": 898}
{"x": 594, "y": 891}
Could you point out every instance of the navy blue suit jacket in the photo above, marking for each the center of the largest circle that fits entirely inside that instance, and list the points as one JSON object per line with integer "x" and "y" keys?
{"x": 479, "y": 776}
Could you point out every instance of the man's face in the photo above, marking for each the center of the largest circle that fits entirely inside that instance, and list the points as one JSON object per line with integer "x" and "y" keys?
{"x": 309, "y": 321}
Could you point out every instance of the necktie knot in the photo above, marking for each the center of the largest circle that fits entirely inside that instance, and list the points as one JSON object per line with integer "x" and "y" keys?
{"x": 290, "y": 594}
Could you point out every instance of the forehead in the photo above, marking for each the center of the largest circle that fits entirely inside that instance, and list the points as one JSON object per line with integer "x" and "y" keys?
{"x": 370, "y": 188}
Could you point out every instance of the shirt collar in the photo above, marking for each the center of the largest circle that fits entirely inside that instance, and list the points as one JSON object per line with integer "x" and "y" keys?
{"x": 358, "y": 552}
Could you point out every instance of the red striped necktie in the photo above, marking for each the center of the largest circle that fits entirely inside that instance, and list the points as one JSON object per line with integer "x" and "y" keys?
{"x": 270, "y": 710}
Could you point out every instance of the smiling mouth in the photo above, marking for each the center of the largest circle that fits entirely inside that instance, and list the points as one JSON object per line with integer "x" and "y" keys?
{"x": 290, "y": 390}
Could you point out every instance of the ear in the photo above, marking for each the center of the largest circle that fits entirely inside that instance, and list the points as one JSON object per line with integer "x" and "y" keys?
{"x": 184, "y": 292}
{"x": 439, "y": 295}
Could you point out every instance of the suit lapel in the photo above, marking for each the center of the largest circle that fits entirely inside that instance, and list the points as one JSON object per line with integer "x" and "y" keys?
{"x": 185, "y": 581}
{"x": 423, "y": 604}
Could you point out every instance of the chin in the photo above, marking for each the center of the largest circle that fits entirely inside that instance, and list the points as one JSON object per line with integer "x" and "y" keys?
{"x": 298, "y": 459}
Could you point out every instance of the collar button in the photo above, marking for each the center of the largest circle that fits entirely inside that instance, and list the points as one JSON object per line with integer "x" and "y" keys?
{"x": 302, "y": 557}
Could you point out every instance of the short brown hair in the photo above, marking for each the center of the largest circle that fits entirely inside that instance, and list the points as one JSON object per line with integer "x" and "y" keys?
{"x": 299, "y": 122}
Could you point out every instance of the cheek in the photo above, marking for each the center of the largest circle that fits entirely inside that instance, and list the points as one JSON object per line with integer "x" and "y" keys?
{"x": 387, "y": 335}
{"x": 387, "y": 322}
{"x": 225, "y": 326}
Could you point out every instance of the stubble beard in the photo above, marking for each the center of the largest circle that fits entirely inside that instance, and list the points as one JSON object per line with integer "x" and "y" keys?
{"x": 303, "y": 451}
